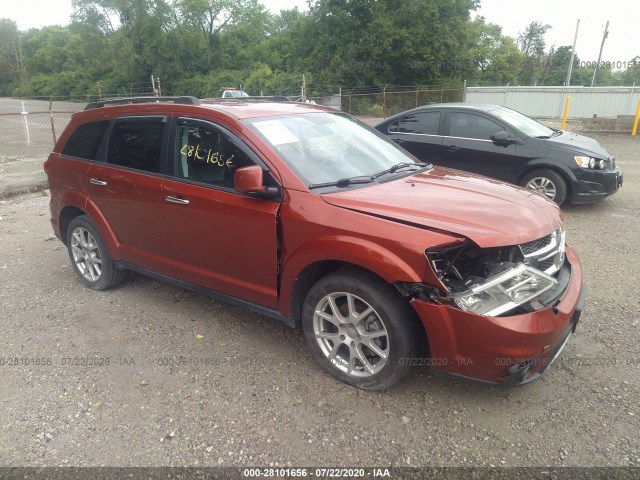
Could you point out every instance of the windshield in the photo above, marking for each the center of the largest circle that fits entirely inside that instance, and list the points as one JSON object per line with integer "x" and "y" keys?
{"x": 327, "y": 147}
{"x": 526, "y": 125}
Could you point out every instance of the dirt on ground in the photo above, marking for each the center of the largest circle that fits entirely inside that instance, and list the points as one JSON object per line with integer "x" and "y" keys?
{"x": 151, "y": 375}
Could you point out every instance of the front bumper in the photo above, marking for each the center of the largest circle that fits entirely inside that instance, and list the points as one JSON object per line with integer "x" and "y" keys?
{"x": 511, "y": 349}
{"x": 596, "y": 184}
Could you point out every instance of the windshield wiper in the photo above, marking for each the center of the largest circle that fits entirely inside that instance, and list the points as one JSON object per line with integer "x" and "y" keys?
{"x": 398, "y": 166}
{"x": 344, "y": 182}
{"x": 557, "y": 133}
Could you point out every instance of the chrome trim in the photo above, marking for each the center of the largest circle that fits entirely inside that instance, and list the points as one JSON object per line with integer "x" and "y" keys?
{"x": 554, "y": 249}
{"x": 422, "y": 134}
{"x": 468, "y": 138}
{"x": 179, "y": 201}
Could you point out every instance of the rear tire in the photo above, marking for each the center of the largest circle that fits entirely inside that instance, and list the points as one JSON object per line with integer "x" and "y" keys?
{"x": 548, "y": 183}
{"x": 359, "y": 329}
{"x": 89, "y": 256}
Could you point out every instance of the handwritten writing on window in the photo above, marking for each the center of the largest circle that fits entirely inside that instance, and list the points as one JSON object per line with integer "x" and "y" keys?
{"x": 210, "y": 156}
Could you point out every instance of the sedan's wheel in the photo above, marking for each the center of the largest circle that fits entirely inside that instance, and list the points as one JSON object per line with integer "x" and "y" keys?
{"x": 359, "y": 329}
{"x": 89, "y": 256}
{"x": 547, "y": 183}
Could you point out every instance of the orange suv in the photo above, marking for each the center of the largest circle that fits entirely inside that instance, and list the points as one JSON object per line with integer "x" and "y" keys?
{"x": 304, "y": 214}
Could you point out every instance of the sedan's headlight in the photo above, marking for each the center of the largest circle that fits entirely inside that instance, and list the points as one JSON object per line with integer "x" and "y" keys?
{"x": 505, "y": 291}
{"x": 590, "y": 162}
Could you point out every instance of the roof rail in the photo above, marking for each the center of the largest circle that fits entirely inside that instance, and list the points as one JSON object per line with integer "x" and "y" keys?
{"x": 128, "y": 101}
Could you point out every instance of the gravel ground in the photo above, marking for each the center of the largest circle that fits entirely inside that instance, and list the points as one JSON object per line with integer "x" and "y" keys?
{"x": 264, "y": 402}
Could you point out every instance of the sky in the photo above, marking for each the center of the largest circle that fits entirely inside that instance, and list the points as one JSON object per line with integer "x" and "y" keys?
{"x": 512, "y": 15}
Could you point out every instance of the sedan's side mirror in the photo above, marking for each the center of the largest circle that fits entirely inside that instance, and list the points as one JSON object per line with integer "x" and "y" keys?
{"x": 501, "y": 138}
{"x": 250, "y": 179}
{"x": 393, "y": 128}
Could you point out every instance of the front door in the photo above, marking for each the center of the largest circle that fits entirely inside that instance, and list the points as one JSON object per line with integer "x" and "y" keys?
{"x": 468, "y": 146}
{"x": 220, "y": 239}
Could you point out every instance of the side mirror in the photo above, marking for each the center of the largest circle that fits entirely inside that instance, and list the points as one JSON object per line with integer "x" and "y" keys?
{"x": 502, "y": 138}
{"x": 393, "y": 128}
{"x": 250, "y": 179}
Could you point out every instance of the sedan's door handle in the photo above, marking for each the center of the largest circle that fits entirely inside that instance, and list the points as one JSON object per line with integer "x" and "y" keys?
{"x": 400, "y": 141}
{"x": 97, "y": 181}
{"x": 179, "y": 201}
{"x": 453, "y": 148}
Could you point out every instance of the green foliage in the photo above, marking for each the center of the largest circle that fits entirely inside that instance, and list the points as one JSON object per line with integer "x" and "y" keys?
{"x": 198, "y": 47}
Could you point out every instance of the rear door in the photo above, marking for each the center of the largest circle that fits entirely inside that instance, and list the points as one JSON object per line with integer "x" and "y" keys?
{"x": 127, "y": 189}
{"x": 220, "y": 239}
{"x": 468, "y": 146}
{"x": 419, "y": 133}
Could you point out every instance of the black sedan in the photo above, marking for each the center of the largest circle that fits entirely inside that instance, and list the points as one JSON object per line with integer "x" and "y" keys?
{"x": 501, "y": 143}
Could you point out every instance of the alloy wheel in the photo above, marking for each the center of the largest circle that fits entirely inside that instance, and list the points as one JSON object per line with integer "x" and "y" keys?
{"x": 351, "y": 334}
{"x": 86, "y": 254}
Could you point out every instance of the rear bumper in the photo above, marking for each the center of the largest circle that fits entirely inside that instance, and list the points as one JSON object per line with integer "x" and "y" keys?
{"x": 509, "y": 350}
{"x": 595, "y": 185}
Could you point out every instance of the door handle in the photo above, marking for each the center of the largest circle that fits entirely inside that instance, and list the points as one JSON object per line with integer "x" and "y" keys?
{"x": 179, "y": 201}
{"x": 97, "y": 181}
{"x": 453, "y": 148}
{"x": 399, "y": 141}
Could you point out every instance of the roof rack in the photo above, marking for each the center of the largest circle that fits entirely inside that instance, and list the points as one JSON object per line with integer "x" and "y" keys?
{"x": 128, "y": 101}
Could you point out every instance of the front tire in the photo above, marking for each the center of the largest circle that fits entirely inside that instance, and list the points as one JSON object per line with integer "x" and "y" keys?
{"x": 89, "y": 256}
{"x": 548, "y": 183}
{"x": 359, "y": 329}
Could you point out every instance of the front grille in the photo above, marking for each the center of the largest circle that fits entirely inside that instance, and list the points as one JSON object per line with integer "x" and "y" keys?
{"x": 545, "y": 264}
{"x": 546, "y": 253}
{"x": 532, "y": 247}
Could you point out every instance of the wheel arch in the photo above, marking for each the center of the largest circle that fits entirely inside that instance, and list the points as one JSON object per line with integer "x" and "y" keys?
{"x": 312, "y": 273}
{"x": 67, "y": 214}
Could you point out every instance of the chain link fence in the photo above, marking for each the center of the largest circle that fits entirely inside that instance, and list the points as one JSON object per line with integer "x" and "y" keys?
{"x": 28, "y": 132}
{"x": 385, "y": 102}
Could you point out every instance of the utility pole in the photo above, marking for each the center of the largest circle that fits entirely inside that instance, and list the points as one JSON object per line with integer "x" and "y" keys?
{"x": 573, "y": 53}
{"x": 604, "y": 37}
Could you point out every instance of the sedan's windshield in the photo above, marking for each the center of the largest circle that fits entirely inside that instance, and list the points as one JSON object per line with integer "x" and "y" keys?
{"x": 526, "y": 125}
{"x": 325, "y": 147}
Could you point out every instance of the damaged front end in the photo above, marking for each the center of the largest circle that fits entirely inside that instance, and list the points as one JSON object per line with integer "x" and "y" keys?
{"x": 501, "y": 280}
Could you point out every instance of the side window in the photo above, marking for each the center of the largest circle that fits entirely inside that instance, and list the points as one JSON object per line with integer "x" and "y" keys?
{"x": 136, "y": 144}
{"x": 468, "y": 125}
{"x": 207, "y": 155}
{"x": 85, "y": 141}
{"x": 420, "y": 122}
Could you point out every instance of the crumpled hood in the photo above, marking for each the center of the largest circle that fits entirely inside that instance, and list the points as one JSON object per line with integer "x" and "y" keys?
{"x": 489, "y": 212}
{"x": 578, "y": 143}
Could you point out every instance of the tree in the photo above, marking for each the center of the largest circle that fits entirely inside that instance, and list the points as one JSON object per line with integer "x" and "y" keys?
{"x": 532, "y": 44}
{"x": 12, "y": 69}
{"x": 212, "y": 16}
{"x": 494, "y": 59}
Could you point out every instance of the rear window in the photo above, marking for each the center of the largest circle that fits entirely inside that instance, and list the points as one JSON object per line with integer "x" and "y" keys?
{"x": 136, "y": 144}
{"x": 85, "y": 141}
{"x": 425, "y": 123}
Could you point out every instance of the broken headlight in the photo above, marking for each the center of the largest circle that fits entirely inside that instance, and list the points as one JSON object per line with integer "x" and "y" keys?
{"x": 490, "y": 281}
{"x": 505, "y": 291}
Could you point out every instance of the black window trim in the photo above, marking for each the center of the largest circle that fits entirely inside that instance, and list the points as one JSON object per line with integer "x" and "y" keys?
{"x": 163, "y": 147}
{"x": 172, "y": 157}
